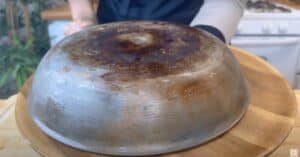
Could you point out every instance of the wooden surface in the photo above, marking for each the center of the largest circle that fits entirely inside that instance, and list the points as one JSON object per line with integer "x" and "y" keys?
{"x": 12, "y": 144}
{"x": 5, "y": 107}
{"x": 62, "y": 12}
{"x": 58, "y": 13}
{"x": 289, "y": 3}
{"x": 268, "y": 121}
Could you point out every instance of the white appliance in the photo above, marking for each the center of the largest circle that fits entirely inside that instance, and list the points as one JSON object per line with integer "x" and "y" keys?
{"x": 273, "y": 33}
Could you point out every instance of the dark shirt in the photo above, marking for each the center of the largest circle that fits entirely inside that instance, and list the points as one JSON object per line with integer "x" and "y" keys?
{"x": 178, "y": 11}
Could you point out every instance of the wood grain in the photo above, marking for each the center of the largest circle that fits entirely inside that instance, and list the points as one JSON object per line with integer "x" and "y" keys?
{"x": 58, "y": 13}
{"x": 62, "y": 12}
{"x": 5, "y": 107}
{"x": 289, "y": 3}
{"x": 269, "y": 119}
{"x": 293, "y": 140}
{"x": 12, "y": 144}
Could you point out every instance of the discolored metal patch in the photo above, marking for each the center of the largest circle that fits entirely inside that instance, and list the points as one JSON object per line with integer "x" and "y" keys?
{"x": 137, "y": 88}
{"x": 140, "y": 50}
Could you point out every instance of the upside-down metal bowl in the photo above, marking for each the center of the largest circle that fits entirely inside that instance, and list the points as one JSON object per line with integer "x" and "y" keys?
{"x": 137, "y": 88}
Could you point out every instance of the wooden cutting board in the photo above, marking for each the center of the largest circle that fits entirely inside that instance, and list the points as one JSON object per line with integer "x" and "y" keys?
{"x": 268, "y": 121}
{"x": 5, "y": 107}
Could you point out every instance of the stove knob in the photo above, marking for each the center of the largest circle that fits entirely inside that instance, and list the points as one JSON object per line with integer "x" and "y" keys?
{"x": 283, "y": 28}
{"x": 266, "y": 28}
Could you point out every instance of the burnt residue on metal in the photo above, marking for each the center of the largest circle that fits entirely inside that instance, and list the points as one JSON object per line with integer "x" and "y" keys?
{"x": 133, "y": 50}
{"x": 188, "y": 90}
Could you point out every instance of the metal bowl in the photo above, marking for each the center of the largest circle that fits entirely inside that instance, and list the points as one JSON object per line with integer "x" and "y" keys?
{"x": 137, "y": 88}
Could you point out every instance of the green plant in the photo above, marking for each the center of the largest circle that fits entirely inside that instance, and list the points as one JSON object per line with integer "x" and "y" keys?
{"x": 3, "y": 22}
{"x": 21, "y": 23}
{"x": 18, "y": 61}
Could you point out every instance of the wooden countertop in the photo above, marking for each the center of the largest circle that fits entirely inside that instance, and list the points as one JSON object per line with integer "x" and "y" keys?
{"x": 289, "y": 3}
{"x": 62, "y": 12}
{"x": 12, "y": 144}
{"x": 58, "y": 13}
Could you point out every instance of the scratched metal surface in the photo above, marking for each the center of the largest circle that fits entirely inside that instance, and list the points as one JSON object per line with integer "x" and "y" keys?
{"x": 137, "y": 88}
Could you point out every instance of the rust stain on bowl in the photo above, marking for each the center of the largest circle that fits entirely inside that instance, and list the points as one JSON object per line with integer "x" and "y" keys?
{"x": 139, "y": 52}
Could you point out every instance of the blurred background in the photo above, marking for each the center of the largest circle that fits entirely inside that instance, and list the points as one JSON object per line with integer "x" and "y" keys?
{"x": 269, "y": 29}
{"x": 24, "y": 40}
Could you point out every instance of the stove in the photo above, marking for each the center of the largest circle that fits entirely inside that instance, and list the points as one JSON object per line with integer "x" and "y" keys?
{"x": 269, "y": 18}
{"x": 271, "y": 31}
{"x": 266, "y": 6}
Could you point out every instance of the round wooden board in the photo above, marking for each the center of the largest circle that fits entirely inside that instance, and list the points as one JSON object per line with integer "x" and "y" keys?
{"x": 268, "y": 121}
{"x": 6, "y": 106}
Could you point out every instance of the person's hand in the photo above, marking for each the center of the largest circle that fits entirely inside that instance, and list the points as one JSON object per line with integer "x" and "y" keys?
{"x": 77, "y": 26}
